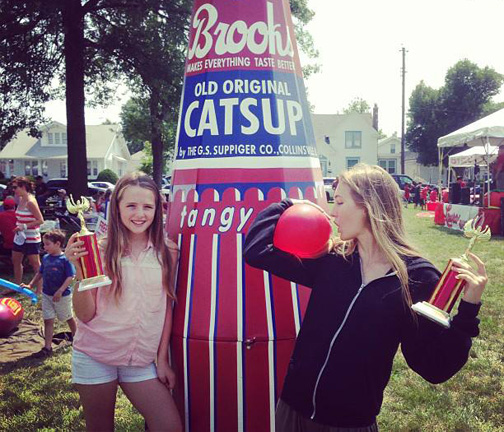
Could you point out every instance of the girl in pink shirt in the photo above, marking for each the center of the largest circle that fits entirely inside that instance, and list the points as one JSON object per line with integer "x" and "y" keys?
{"x": 124, "y": 329}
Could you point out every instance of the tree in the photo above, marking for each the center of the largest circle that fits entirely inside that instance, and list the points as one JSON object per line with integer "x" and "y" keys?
{"x": 88, "y": 44}
{"x": 465, "y": 97}
{"x": 41, "y": 40}
{"x": 357, "y": 105}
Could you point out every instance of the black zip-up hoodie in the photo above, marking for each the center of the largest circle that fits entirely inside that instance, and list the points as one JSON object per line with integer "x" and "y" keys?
{"x": 344, "y": 351}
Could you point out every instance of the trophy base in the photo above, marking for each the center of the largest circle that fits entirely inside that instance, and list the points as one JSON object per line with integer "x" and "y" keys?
{"x": 433, "y": 313}
{"x": 94, "y": 282}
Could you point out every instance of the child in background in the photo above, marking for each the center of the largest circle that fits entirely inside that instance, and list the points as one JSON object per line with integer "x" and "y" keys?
{"x": 433, "y": 195}
{"x": 423, "y": 197}
{"x": 57, "y": 274}
{"x": 124, "y": 329}
{"x": 406, "y": 195}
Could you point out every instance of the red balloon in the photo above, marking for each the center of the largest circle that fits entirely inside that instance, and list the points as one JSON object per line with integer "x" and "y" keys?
{"x": 11, "y": 314}
{"x": 303, "y": 230}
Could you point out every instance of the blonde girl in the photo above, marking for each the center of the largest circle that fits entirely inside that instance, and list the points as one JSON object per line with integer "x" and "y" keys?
{"x": 124, "y": 329}
{"x": 359, "y": 311}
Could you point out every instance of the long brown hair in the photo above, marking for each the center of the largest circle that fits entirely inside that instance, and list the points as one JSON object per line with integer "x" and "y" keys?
{"x": 117, "y": 241}
{"x": 24, "y": 182}
{"x": 376, "y": 191}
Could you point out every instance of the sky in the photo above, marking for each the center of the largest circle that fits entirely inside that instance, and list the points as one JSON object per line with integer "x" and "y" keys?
{"x": 359, "y": 42}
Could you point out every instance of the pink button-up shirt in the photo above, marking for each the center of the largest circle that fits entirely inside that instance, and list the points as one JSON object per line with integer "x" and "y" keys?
{"x": 127, "y": 332}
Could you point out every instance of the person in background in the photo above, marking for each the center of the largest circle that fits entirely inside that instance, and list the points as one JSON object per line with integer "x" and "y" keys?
{"x": 42, "y": 192}
{"x": 433, "y": 197}
{"x": 424, "y": 192}
{"x": 27, "y": 233}
{"x": 7, "y": 225}
{"x": 498, "y": 170}
{"x": 359, "y": 313}
{"x": 407, "y": 191}
{"x": 56, "y": 274}
{"x": 417, "y": 187}
{"x": 461, "y": 182}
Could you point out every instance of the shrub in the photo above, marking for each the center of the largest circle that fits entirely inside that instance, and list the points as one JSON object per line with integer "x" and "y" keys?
{"x": 107, "y": 175}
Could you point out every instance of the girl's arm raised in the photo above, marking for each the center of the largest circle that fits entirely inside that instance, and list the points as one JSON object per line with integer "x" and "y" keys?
{"x": 84, "y": 302}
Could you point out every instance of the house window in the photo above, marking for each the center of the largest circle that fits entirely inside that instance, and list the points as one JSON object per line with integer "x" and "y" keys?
{"x": 353, "y": 139}
{"x": 92, "y": 168}
{"x": 57, "y": 138}
{"x": 64, "y": 138}
{"x": 50, "y": 138}
{"x": 63, "y": 169}
{"x": 388, "y": 165}
{"x": 392, "y": 148}
{"x": 44, "y": 168}
{"x": 351, "y": 161}
{"x": 31, "y": 168}
{"x": 323, "y": 165}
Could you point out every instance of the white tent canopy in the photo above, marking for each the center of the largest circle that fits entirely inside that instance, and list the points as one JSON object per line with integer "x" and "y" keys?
{"x": 488, "y": 130}
{"x": 484, "y": 156}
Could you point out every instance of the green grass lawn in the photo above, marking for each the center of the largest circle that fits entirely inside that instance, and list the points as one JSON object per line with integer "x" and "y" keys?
{"x": 36, "y": 395}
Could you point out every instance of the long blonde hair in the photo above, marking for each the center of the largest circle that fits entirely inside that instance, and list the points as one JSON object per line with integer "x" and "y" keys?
{"x": 117, "y": 241}
{"x": 376, "y": 191}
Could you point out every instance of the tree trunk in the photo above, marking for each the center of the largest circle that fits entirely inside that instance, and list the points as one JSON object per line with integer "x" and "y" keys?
{"x": 73, "y": 23}
{"x": 156, "y": 118}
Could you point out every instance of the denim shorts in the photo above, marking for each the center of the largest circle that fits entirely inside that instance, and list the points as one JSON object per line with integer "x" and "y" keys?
{"x": 27, "y": 248}
{"x": 86, "y": 370}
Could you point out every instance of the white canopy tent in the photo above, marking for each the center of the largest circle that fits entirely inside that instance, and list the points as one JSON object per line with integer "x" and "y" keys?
{"x": 488, "y": 130}
{"x": 487, "y": 133}
{"x": 482, "y": 156}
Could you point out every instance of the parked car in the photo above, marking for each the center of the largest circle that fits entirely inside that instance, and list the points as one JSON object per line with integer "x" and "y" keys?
{"x": 55, "y": 184}
{"x": 166, "y": 191}
{"x": 328, "y": 189}
{"x": 102, "y": 185}
{"x": 402, "y": 179}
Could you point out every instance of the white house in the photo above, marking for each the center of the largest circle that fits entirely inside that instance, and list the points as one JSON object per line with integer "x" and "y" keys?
{"x": 47, "y": 156}
{"x": 389, "y": 154}
{"x": 419, "y": 172}
{"x": 344, "y": 140}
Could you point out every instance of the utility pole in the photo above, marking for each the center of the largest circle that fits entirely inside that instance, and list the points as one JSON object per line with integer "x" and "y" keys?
{"x": 403, "y": 139}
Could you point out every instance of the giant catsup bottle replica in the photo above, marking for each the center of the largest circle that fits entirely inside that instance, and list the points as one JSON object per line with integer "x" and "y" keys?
{"x": 245, "y": 139}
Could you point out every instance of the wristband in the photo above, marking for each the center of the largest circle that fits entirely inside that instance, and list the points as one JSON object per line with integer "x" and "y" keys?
{"x": 24, "y": 226}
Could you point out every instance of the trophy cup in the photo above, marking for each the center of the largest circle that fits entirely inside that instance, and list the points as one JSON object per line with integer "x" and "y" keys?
{"x": 91, "y": 264}
{"x": 448, "y": 288}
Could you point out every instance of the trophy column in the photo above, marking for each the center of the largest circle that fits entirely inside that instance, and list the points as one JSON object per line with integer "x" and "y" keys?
{"x": 449, "y": 288}
{"x": 91, "y": 264}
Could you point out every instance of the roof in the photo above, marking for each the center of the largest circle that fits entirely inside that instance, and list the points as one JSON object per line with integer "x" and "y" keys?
{"x": 99, "y": 138}
{"x": 488, "y": 130}
{"x": 326, "y": 124}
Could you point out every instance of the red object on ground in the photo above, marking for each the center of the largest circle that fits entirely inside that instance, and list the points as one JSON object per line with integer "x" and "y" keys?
{"x": 445, "y": 197}
{"x": 303, "y": 230}
{"x": 432, "y": 206}
{"x": 7, "y": 225}
{"x": 433, "y": 195}
{"x": 11, "y": 314}
{"x": 439, "y": 217}
{"x": 492, "y": 219}
{"x": 495, "y": 198}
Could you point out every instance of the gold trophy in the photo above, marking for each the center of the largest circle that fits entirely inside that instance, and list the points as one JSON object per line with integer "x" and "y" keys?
{"x": 448, "y": 288}
{"x": 91, "y": 264}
